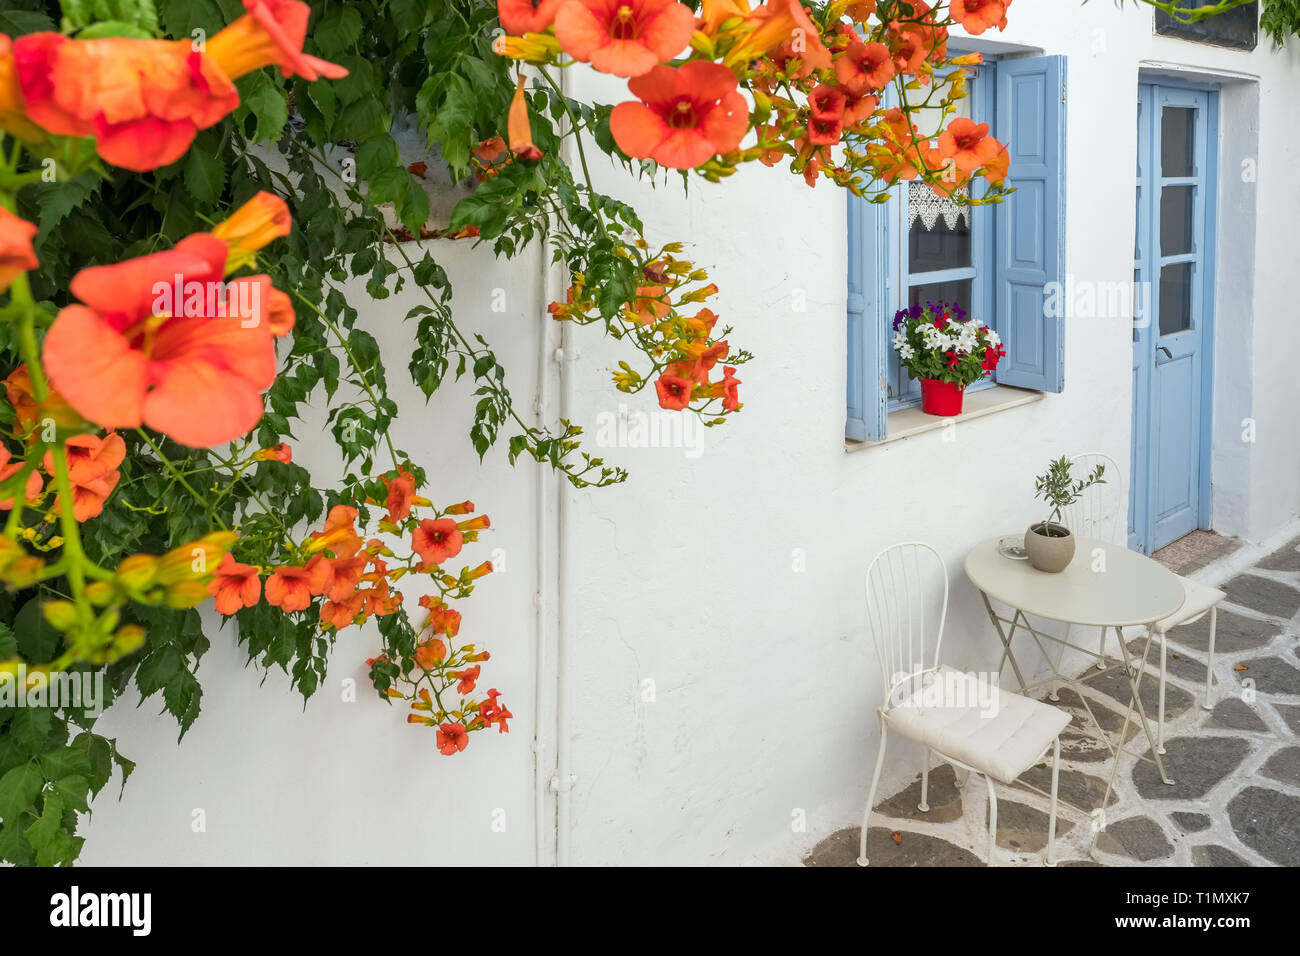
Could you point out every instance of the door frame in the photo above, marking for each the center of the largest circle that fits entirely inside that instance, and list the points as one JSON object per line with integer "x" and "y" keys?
{"x": 1149, "y": 86}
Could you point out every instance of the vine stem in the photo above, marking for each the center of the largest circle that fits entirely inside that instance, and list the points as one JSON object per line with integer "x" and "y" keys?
{"x": 356, "y": 366}
{"x": 167, "y": 463}
{"x": 74, "y": 557}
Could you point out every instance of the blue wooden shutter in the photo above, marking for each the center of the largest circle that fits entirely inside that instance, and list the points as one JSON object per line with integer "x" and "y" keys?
{"x": 1031, "y": 223}
{"x": 866, "y": 330}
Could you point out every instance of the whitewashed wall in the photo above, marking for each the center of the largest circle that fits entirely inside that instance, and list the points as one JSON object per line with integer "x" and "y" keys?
{"x": 763, "y": 682}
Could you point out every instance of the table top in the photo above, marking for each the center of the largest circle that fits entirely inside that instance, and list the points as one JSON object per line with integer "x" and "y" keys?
{"x": 1131, "y": 590}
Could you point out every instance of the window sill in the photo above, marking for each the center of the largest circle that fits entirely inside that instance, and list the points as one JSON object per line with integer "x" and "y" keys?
{"x": 909, "y": 422}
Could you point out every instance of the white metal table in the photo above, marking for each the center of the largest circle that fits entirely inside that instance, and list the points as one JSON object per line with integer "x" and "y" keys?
{"x": 1106, "y": 586}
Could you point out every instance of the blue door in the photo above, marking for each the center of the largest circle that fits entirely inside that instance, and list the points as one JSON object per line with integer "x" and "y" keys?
{"x": 1173, "y": 314}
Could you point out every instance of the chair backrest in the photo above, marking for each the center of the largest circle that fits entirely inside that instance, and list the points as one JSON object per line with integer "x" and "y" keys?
{"x": 1101, "y": 511}
{"x": 907, "y": 603}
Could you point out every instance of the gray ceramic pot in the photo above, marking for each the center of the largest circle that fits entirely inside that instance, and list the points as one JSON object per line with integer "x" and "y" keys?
{"x": 1049, "y": 553}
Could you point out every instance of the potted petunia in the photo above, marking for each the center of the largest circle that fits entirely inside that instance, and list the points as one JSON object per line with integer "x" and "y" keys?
{"x": 947, "y": 350}
{"x": 1048, "y": 543}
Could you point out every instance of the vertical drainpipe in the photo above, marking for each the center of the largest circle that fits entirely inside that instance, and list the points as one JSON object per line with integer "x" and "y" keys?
{"x": 564, "y": 778}
{"x": 542, "y": 770}
{"x": 553, "y": 776}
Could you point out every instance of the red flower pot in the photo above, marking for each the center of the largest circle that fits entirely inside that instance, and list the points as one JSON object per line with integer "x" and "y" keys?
{"x": 940, "y": 398}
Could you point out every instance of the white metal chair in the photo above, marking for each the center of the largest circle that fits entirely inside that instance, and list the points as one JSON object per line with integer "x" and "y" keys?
{"x": 1101, "y": 512}
{"x": 1000, "y": 735}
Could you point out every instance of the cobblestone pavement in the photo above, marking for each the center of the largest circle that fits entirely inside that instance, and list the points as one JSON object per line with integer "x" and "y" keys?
{"x": 1235, "y": 798}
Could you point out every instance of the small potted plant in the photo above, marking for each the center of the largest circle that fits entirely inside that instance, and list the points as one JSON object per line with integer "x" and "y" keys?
{"x": 1048, "y": 543}
{"x": 939, "y": 344}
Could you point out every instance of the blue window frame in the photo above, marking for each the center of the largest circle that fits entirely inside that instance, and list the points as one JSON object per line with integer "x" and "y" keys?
{"x": 945, "y": 251}
{"x": 1014, "y": 254}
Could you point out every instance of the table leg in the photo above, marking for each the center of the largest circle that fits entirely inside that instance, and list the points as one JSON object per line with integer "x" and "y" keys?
{"x": 1117, "y": 751}
{"x": 1160, "y": 719}
{"x": 1135, "y": 672}
{"x": 1005, "y": 638}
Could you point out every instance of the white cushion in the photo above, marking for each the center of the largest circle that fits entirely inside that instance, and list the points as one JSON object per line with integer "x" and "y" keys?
{"x": 992, "y": 730}
{"x": 1199, "y": 599}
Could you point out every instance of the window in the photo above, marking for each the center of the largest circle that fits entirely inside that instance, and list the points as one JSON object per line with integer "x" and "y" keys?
{"x": 944, "y": 248}
{"x": 1236, "y": 28}
{"x": 1000, "y": 261}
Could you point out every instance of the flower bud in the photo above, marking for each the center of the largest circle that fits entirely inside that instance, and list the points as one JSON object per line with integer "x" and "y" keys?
{"x": 62, "y": 615}
{"x": 136, "y": 572}
{"x": 186, "y": 594}
{"x": 128, "y": 639}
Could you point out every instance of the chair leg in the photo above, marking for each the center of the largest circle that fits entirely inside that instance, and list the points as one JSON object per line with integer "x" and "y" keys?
{"x": 962, "y": 777}
{"x": 924, "y": 805}
{"x": 993, "y": 817}
{"x": 1209, "y": 658}
{"x": 1051, "y": 817}
{"x": 1101, "y": 651}
{"x": 871, "y": 797}
{"x": 1160, "y": 718}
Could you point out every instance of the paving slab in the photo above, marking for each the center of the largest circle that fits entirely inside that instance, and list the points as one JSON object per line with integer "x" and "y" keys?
{"x": 1271, "y": 675}
{"x": 1177, "y": 663}
{"x": 942, "y": 796}
{"x": 1286, "y": 558}
{"x": 1115, "y": 685}
{"x": 1264, "y": 595}
{"x": 1080, "y": 790}
{"x": 1232, "y": 713}
{"x": 1140, "y": 838}
{"x": 913, "y": 849}
{"x": 1195, "y": 764}
{"x": 1190, "y": 822}
{"x": 1233, "y": 634}
{"x": 1023, "y": 828}
{"x": 1268, "y": 821}
{"x": 1284, "y": 766}
{"x": 1214, "y": 855}
{"x": 1291, "y": 714}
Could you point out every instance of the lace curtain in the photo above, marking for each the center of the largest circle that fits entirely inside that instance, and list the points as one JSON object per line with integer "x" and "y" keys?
{"x": 925, "y": 204}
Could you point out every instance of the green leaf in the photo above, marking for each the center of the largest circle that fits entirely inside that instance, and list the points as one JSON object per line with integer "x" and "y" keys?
{"x": 114, "y": 28}
{"x": 65, "y": 761}
{"x": 19, "y": 789}
{"x": 17, "y": 22}
{"x": 182, "y": 695}
{"x": 57, "y": 199}
{"x": 157, "y": 669}
{"x": 184, "y": 16}
{"x": 205, "y": 174}
{"x": 413, "y": 204}
{"x": 265, "y": 100}
{"x": 408, "y": 15}
{"x": 375, "y": 155}
{"x": 52, "y": 843}
{"x": 98, "y": 758}
{"x": 139, "y": 15}
{"x": 31, "y": 727}
{"x": 338, "y": 30}
{"x": 74, "y": 791}
{"x": 8, "y": 643}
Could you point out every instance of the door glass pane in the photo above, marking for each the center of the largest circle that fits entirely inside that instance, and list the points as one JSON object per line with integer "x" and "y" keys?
{"x": 1177, "y": 141}
{"x": 1176, "y": 297}
{"x": 1176, "y": 205}
{"x": 1137, "y": 227}
{"x": 1141, "y": 300}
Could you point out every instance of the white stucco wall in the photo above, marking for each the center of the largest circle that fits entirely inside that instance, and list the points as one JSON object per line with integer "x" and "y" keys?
{"x": 763, "y": 680}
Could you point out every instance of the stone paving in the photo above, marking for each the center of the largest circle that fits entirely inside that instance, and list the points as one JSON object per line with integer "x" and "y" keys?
{"x": 1235, "y": 798}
